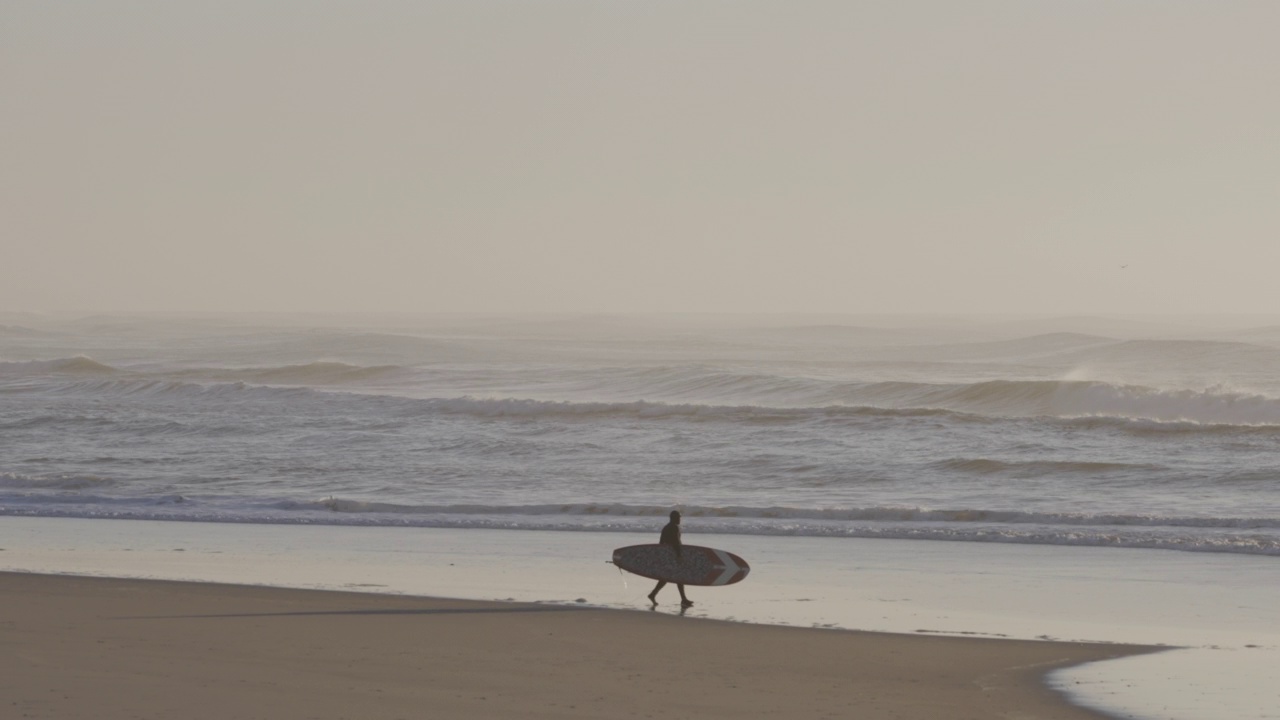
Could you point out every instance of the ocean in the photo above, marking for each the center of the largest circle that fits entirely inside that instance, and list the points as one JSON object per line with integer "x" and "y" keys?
{"x": 1098, "y": 479}
{"x": 1138, "y": 433}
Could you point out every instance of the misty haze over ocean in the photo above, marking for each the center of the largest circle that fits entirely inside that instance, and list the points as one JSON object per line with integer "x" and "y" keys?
{"x": 991, "y": 156}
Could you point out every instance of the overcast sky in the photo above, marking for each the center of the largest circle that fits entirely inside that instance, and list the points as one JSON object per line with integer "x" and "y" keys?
{"x": 641, "y": 155}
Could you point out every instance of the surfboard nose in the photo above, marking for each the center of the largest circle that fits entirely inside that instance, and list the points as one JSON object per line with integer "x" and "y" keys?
{"x": 732, "y": 568}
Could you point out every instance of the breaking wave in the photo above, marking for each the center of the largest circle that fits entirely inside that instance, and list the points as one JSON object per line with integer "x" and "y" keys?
{"x": 315, "y": 373}
{"x": 79, "y": 365}
{"x": 9, "y": 480}
{"x": 662, "y": 393}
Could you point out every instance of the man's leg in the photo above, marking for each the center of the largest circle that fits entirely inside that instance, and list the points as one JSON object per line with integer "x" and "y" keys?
{"x": 653, "y": 596}
{"x": 684, "y": 601}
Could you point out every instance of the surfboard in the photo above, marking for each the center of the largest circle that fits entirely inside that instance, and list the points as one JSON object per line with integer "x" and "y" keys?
{"x": 696, "y": 565}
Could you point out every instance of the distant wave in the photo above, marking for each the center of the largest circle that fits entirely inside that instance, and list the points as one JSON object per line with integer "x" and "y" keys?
{"x": 79, "y": 365}
{"x": 1036, "y": 346}
{"x": 993, "y": 399}
{"x": 1143, "y": 426}
{"x": 314, "y": 373}
{"x": 1074, "y": 399}
{"x": 678, "y": 391}
{"x": 1190, "y": 353}
{"x": 121, "y": 385}
{"x": 986, "y": 466}
{"x": 1210, "y": 406}
{"x": 355, "y": 347}
{"x": 656, "y": 410}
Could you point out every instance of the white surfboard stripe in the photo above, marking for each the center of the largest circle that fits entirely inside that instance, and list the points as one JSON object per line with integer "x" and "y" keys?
{"x": 731, "y": 568}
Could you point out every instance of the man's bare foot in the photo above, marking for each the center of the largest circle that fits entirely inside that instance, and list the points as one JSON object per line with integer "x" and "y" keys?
{"x": 685, "y": 603}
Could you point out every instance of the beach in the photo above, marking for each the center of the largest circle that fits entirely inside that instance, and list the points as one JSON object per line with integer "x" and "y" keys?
{"x": 117, "y": 648}
{"x": 348, "y": 621}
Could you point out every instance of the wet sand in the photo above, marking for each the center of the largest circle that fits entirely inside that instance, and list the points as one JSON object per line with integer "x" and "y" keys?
{"x": 103, "y": 648}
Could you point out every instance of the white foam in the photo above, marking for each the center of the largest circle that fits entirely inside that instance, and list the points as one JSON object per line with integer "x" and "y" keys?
{"x": 63, "y": 496}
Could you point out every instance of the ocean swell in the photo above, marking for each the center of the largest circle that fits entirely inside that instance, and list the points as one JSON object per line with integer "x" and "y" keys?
{"x": 664, "y": 391}
{"x": 78, "y": 365}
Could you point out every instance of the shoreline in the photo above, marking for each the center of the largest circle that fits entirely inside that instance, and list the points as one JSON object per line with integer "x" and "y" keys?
{"x": 116, "y": 647}
{"x": 1216, "y": 614}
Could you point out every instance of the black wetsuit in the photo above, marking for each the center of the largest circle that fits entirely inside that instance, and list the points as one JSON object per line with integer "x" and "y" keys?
{"x": 671, "y": 536}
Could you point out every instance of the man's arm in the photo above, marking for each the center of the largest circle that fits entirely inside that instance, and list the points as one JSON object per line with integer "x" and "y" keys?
{"x": 671, "y": 538}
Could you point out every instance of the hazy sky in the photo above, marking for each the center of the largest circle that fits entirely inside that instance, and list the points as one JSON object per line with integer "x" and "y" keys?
{"x": 641, "y": 155}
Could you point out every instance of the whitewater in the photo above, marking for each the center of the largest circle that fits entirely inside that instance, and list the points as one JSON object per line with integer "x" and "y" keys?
{"x": 1069, "y": 432}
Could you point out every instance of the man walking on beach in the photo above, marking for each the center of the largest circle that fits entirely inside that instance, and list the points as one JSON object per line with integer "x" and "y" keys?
{"x": 671, "y": 536}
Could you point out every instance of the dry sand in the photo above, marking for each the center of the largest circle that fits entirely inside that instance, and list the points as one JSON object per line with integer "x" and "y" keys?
{"x": 108, "y": 649}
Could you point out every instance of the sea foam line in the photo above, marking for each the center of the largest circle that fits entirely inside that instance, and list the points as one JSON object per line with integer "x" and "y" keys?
{"x": 38, "y": 494}
{"x": 1177, "y": 539}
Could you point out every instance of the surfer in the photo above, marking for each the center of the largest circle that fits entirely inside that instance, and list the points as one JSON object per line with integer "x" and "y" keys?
{"x": 671, "y": 536}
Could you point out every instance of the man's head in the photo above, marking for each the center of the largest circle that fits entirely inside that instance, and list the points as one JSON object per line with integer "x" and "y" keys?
{"x": 675, "y": 516}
